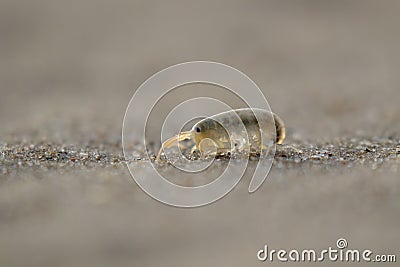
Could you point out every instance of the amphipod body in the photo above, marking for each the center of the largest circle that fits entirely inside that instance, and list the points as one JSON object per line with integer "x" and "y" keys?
{"x": 213, "y": 132}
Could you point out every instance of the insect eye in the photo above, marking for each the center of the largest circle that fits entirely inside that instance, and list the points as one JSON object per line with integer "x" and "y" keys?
{"x": 198, "y": 129}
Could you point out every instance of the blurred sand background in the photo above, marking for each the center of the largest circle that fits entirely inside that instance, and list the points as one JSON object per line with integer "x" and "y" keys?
{"x": 68, "y": 69}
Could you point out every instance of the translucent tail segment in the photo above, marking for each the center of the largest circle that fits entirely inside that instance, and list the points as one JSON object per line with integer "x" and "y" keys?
{"x": 280, "y": 130}
{"x": 173, "y": 141}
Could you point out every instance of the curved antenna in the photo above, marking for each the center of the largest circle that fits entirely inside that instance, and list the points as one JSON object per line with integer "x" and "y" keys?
{"x": 173, "y": 140}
